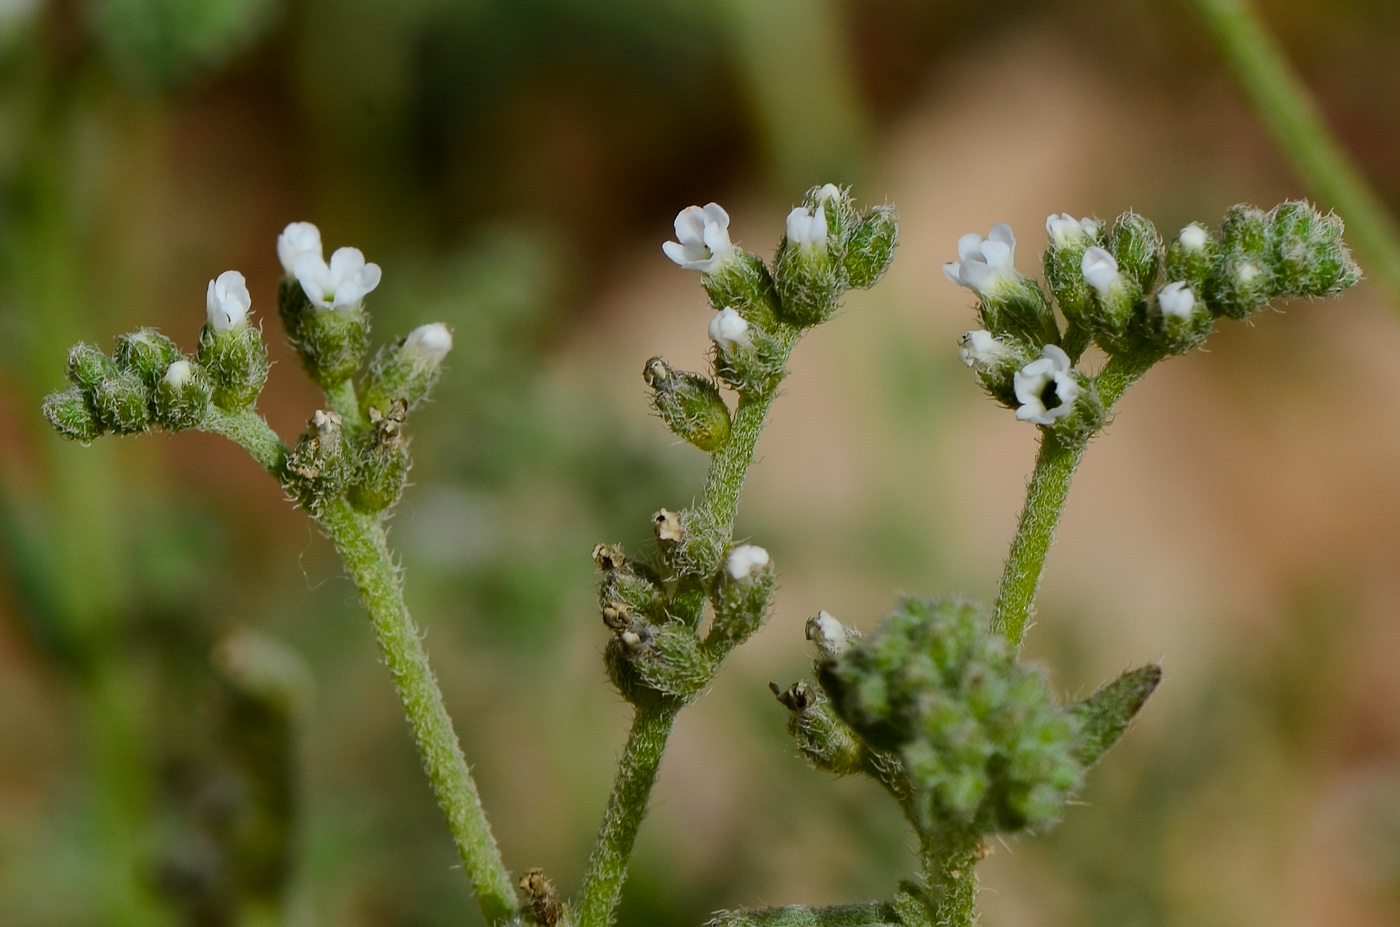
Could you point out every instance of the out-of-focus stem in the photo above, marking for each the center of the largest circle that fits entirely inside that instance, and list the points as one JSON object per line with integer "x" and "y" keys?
{"x": 1285, "y": 105}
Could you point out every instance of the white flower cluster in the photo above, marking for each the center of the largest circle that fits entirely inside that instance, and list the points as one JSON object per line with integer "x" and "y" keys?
{"x": 341, "y": 284}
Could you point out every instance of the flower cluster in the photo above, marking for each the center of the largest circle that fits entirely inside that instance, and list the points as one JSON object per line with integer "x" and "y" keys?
{"x": 1122, "y": 287}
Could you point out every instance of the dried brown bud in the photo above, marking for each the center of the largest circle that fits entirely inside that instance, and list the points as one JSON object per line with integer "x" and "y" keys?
{"x": 609, "y": 557}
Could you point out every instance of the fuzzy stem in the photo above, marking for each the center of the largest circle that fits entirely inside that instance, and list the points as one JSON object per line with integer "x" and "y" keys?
{"x": 949, "y": 860}
{"x": 1045, "y": 502}
{"x": 250, "y": 431}
{"x": 636, "y": 774}
{"x": 361, "y": 543}
{"x": 1283, "y": 102}
{"x": 343, "y": 401}
{"x": 651, "y": 726}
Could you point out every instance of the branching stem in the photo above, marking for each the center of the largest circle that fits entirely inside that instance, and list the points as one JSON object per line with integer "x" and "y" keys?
{"x": 1045, "y": 501}
{"x": 1285, "y": 105}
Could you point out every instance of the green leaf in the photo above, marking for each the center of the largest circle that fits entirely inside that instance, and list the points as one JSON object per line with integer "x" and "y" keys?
{"x": 1105, "y": 715}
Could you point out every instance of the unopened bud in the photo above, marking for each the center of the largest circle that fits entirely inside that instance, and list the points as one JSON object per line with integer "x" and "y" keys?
{"x": 1192, "y": 257}
{"x": 70, "y": 415}
{"x": 87, "y": 366}
{"x": 1063, "y": 260}
{"x": 407, "y": 369}
{"x": 871, "y": 247}
{"x": 146, "y": 353}
{"x": 182, "y": 396}
{"x": 689, "y": 403}
{"x": 1179, "y": 321}
{"x": 831, "y": 636}
{"x": 1137, "y": 246}
{"x": 122, "y": 403}
{"x": 810, "y": 270}
{"x": 741, "y": 596}
{"x": 232, "y": 352}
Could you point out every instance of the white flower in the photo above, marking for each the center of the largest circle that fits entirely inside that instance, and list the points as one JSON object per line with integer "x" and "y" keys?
{"x": 297, "y": 239}
{"x": 339, "y": 285}
{"x": 429, "y": 342}
{"x": 1193, "y": 237}
{"x": 227, "y": 301}
{"x": 1100, "y": 269}
{"x": 1046, "y": 388}
{"x": 831, "y": 636}
{"x": 702, "y": 238}
{"x": 745, "y": 560}
{"x": 1065, "y": 230}
{"x": 179, "y": 373}
{"x": 980, "y": 347}
{"x": 728, "y": 329}
{"x": 984, "y": 264}
{"x": 828, "y": 192}
{"x": 1246, "y": 272}
{"x": 1176, "y": 300}
{"x": 808, "y": 229}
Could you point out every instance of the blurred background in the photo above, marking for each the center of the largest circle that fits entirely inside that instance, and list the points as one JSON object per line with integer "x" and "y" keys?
{"x": 194, "y": 725}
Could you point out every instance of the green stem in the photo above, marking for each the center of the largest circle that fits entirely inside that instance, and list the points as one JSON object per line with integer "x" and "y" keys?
{"x": 250, "y": 431}
{"x": 361, "y": 543}
{"x": 343, "y": 401}
{"x": 949, "y": 860}
{"x": 636, "y": 774}
{"x": 1283, "y": 102}
{"x": 1045, "y": 502}
{"x": 651, "y": 726}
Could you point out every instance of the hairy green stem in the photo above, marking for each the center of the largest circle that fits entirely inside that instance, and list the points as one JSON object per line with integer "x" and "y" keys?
{"x": 1285, "y": 105}
{"x": 949, "y": 859}
{"x": 362, "y": 545}
{"x": 651, "y": 726}
{"x": 345, "y": 403}
{"x": 1045, "y": 502}
{"x": 636, "y": 774}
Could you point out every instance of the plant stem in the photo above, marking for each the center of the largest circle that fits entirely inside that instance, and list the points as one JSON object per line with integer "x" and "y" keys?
{"x": 361, "y": 543}
{"x": 1290, "y": 112}
{"x": 636, "y": 774}
{"x": 1045, "y": 502}
{"x": 949, "y": 860}
{"x": 651, "y": 725}
{"x": 343, "y": 401}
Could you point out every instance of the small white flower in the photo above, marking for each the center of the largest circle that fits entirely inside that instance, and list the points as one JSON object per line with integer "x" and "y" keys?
{"x": 297, "y": 239}
{"x": 1065, "y": 230}
{"x": 828, "y": 192}
{"x": 744, "y": 561}
{"x": 1246, "y": 272}
{"x": 984, "y": 264}
{"x": 1046, "y": 388}
{"x": 729, "y": 329}
{"x": 227, "y": 301}
{"x": 179, "y": 373}
{"x": 1176, "y": 300}
{"x": 1100, "y": 269}
{"x": 1193, "y": 237}
{"x": 831, "y": 636}
{"x": 808, "y": 229}
{"x": 702, "y": 238}
{"x": 429, "y": 342}
{"x": 342, "y": 283}
{"x": 981, "y": 347}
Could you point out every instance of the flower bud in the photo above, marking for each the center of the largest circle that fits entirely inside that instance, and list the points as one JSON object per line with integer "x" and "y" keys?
{"x": 230, "y": 350}
{"x": 824, "y": 739}
{"x": 809, "y": 270}
{"x": 331, "y": 343}
{"x": 871, "y": 247}
{"x": 407, "y": 369}
{"x": 87, "y": 366}
{"x": 690, "y": 404}
{"x": 121, "y": 403}
{"x": 740, "y": 596}
{"x": 1069, "y": 238}
{"x": 1310, "y": 258}
{"x": 1193, "y": 256}
{"x": 746, "y": 357}
{"x": 1113, "y": 294}
{"x": 70, "y": 415}
{"x": 995, "y": 361}
{"x": 1243, "y": 282}
{"x": 182, "y": 396}
{"x": 831, "y": 636}
{"x": 146, "y": 353}
{"x": 381, "y": 465}
{"x": 1178, "y": 320}
{"x": 319, "y": 465}
{"x": 1137, "y": 247}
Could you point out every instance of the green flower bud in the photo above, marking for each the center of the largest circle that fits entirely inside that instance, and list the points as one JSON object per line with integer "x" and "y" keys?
{"x": 1178, "y": 320}
{"x": 320, "y": 464}
{"x": 407, "y": 369}
{"x": 182, "y": 396}
{"x": 741, "y": 280}
{"x": 146, "y": 353}
{"x": 741, "y": 595}
{"x": 235, "y": 361}
{"x": 87, "y": 366}
{"x": 871, "y": 247}
{"x": 1310, "y": 258}
{"x": 1136, "y": 245}
{"x": 382, "y": 464}
{"x": 121, "y": 403}
{"x": 1192, "y": 258}
{"x": 668, "y": 659}
{"x": 995, "y": 362}
{"x": 1243, "y": 282}
{"x": 1069, "y": 238}
{"x": 629, "y": 591}
{"x": 1114, "y": 298}
{"x": 981, "y": 738}
{"x": 810, "y": 272}
{"x": 746, "y": 357}
{"x": 332, "y": 343}
{"x": 821, "y": 737}
{"x": 690, "y": 404}
{"x": 70, "y": 415}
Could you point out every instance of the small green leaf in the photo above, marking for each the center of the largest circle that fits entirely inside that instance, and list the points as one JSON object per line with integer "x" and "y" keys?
{"x": 1105, "y": 715}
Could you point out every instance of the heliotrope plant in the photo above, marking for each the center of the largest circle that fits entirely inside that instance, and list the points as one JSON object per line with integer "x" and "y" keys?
{"x": 934, "y": 704}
